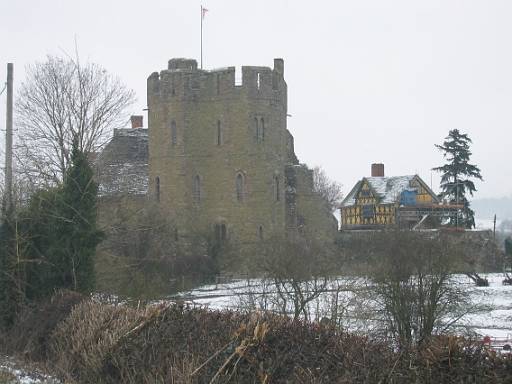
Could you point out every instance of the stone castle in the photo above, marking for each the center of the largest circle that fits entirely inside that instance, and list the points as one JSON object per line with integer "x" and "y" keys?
{"x": 217, "y": 156}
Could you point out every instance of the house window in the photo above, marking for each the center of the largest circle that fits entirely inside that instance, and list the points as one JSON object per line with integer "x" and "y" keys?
{"x": 240, "y": 187}
{"x": 157, "y": 188}
{"x": 174, "y": 134}
{"x": 219, "y": 133}
{"x": 196, "y": 189}
{"x": 368, "y": 211}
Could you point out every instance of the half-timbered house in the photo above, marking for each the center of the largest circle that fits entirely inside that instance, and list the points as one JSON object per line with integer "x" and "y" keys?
{"x": 379, "y": 202}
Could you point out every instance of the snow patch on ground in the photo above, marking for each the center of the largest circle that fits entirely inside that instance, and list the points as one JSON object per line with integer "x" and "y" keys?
{"x": 24, "y": 376}
{"x": 495, "y": 321}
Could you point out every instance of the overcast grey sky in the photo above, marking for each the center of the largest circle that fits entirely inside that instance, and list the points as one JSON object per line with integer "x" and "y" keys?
{"x": 368, "y": 80}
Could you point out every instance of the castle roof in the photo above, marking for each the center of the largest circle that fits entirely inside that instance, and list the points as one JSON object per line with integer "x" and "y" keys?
{"x": 122, "y": 167}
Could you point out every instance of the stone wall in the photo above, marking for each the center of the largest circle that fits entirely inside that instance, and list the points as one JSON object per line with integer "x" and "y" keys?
{"x": 308, "y": 213}
{"x": 209, "y": 133}
{"x": 217, "y": 158}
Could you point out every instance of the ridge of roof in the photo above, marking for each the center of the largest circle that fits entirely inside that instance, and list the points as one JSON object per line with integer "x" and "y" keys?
{"x": 386, "y": 188}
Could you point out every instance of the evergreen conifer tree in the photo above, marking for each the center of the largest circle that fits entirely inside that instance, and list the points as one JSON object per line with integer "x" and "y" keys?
{"x": 508, "y": 251}
{"x": 42, "y": 224}
{"x": 78, "y": 229}
{"x": 456, "y": 176}
{"x": 60, "y": 224}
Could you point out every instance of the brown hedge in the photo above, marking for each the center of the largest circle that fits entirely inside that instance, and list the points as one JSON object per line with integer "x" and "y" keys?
{"x": 175, "y": 343}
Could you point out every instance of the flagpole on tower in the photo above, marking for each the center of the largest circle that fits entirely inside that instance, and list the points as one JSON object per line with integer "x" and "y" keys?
{"x": 203, "y": 12}
{"x": 201, "y": 37}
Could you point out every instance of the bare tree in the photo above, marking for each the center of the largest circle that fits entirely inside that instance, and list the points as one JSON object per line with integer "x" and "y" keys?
{"x": 330, "y": 190}
{"x": 296, "y": 272}
{"x": 62, "y": 99}
{"x": 413, "y": 285}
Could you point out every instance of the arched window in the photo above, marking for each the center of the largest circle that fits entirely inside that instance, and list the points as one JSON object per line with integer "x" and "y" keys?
{"x": 240, "y": 187}
{"x": 157, "y": 189}
{"x": 262, "y": 130}
{"x": 219, "y": 133}
{"x": 220, "y": 233}
{"x": 196, "y": 189}
{"x": 276, "y": 188}
{"x": 174, "y": 134}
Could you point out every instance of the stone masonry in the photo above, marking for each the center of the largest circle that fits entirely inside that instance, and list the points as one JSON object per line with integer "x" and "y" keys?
{"x": 221, "y": 159}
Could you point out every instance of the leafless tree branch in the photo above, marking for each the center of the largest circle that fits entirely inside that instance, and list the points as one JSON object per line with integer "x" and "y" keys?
{"x": 60, "y": 100}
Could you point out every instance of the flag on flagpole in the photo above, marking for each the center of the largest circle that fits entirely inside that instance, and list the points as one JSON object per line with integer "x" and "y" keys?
{"x": 203, "y": 12}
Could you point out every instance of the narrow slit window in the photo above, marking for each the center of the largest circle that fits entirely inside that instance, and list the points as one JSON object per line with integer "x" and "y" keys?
{"x": 157, "y": 189}
{"x": 258, "y": 80}
{"x": 174, "y": 134}
{"x": 276, "y": 188}
{"x": 196, "y": 190}
{"x": 260, "y": 232}
{"x": 219, "y": 133}
{"x": 262, "y": 129}
{"x": 239, "y": 188}
{"x": 256, "y": 129}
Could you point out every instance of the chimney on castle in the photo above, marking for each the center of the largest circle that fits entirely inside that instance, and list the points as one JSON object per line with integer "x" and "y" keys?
{"x": 137, "y": 121}
{"x": 377, "y": 170}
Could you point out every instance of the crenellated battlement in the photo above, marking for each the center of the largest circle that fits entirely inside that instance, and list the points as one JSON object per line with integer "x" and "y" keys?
{"x": 183, "y": 80}
{"x": 181, "y": 64}
{"x": 221, "y": 159}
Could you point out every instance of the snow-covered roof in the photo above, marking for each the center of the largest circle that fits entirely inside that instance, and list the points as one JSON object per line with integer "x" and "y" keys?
{"x": 387, "y": 189}
{"x": 124, "y": 178}
{"x": 122, "y": 167}
{"x": 131, "y": 132}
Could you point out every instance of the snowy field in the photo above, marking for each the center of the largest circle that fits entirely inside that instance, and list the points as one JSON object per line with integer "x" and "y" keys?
{"x": 12, "y": 373}
{"x": 495, "y": 320}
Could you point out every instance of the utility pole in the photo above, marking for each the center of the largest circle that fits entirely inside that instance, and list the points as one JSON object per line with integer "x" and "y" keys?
{"x": 494, "y": 228}
{"x": 8, "y": 141}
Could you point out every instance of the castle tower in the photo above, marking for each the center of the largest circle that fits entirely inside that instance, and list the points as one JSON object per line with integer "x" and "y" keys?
{"x": 218, "y": 148}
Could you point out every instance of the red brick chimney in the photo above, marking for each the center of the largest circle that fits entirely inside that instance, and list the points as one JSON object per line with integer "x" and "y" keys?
{"x": 136, "y": 121}
{"x": 377, "y": 170}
